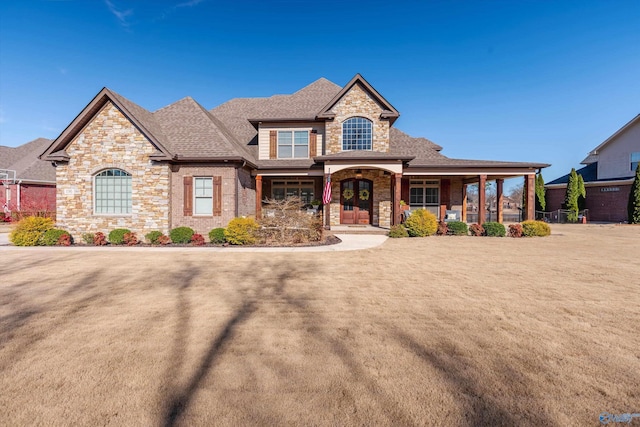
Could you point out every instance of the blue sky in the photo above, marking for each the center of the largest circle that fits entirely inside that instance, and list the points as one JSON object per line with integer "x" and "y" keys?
{"x": 539, "y": 81}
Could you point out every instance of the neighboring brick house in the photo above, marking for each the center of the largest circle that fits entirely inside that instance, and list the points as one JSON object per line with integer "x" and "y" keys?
{"x": 119, "y": 165}
{"x": 28, "y": 184}
{"x": 608, "y": 175}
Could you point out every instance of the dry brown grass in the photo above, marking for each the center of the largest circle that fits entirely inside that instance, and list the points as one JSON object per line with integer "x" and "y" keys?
{"x": 454, "y": 331}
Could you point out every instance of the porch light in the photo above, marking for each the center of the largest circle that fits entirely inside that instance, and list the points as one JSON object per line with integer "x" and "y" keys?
{"x": 359, "y": 173}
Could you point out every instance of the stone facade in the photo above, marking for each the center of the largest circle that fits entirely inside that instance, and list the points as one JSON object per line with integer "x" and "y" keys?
{"x": 110, "y": 140}
{"x": 356, "y": 103}
{"x": 382, "y": 197}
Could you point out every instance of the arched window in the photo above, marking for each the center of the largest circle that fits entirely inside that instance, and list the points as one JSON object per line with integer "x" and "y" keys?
{"x": 112, "y": 192}
{"x": 356, "y": 134}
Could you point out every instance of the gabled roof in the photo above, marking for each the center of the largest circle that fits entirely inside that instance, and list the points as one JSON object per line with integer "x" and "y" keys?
{"x": 593, "y": 154}
{"x": 24, "y": 160}
{"x": 589, "y": 173}
{"x": 389, "y": 112}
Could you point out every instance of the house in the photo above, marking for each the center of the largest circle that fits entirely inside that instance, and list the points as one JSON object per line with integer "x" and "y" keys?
{"x": 119, "y": 165}
{"x": 608, "y": 175}
{"x": 28, "y": 183}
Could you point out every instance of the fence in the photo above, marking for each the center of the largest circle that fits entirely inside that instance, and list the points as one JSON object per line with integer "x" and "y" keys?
{"x": 562, "y": 216}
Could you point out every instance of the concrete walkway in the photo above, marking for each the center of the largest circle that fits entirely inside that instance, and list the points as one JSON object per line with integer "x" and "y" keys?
{"x": 350, "y": 242}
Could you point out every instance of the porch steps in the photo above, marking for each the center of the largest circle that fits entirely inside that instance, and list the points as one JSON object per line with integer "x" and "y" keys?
{"x": 358, "y": 229}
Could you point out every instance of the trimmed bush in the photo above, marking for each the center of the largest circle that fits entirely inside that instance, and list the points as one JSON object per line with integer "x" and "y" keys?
{"x": 99, "y": 239}
{"x": 181, "y": 234}
{"x": 197, "y": 240}
{"x": 52, "y": 237}
{"x": 217, "y": 236}
{"x": 241, "y": 231}
{"x": 476, "y": 230}
{"x": 515, "y": 230}
{"x": 458, "y": 228}
{"x": 421, "y": 223}
{"x": 88, "y": 238}
{"x": 152, "y": 237}
{"x": 535, "y": 228}
{"x": 398, "y": 231}
{"x": 130, "y": 239}
{"x": 443, "y": 230}
{"x": 116, "y": 237}
{"x": 30, "y": 230}
{"x": 494, "y": 229}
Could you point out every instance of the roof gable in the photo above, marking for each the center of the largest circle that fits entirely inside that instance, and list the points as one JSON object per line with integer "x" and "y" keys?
{"x": 389, "y": 112}
{"x": 140, "y": 118}
{"x": 593, "y": 154}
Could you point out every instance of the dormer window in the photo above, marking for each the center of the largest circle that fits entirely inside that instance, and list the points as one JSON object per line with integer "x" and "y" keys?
{"x": 293, "y": 144}
{"x": 357, "y": 134}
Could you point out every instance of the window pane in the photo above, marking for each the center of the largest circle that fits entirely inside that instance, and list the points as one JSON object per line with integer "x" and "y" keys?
{"x": 112, "y": 192}
{"x": 278, "y": 193}
{"x": 203, "y": 206}
{"x": 356, "y": 134}
{"x": 431, "y": 195}
{"x": 284, "y": 152}
{"x": 301, "y": 151}
{"x": 416, "y": 196}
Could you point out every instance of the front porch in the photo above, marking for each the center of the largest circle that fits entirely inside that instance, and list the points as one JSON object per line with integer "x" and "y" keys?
{"x": 375, "y": 195}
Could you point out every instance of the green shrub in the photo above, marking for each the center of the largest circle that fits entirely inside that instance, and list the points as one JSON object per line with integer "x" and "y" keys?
{"x": 181, "y": 234}
{"x": 153, "y": 237}
{"x": 241, "y": 231}
{"x": 88, "y": 238}
{"x": 217, "y": 236}
{"x": 515, "y": 230}
{"x": 30, "y": 230}
{"x": 494, "y": 229}
{"x": 116, "y": 237}
{"x": 476, "y": 230}
{"x": 52, "y": 237}
{"x": 398, "y": 231}
{"x": 458, "y": 228}
{"x": 535, "y": 228}
{"x": 421, "y": 223}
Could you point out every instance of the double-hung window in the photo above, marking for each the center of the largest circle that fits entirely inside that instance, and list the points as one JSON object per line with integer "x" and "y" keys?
{"x": 203, "y": 196}
{"x": 635, "y": 159}
{"x": 112, "y": 192}
{"x": 357, "y": 134}
{"x": 293, "y": 144}
{"x": 425, "y": 194}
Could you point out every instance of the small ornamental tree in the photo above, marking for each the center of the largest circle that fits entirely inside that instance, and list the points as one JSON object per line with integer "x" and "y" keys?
{"x": 633, "y": 207}
{"x": 541, "y": 203}
{"x": 571, "y": 196}
{"x": 582, "y": 193}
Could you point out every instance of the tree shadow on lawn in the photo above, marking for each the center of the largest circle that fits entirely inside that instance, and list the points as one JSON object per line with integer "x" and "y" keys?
{"x": 266, "y": 288}
{"x": 477, "y": 403}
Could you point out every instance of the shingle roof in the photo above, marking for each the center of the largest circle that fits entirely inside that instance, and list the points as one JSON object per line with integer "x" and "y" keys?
{"x": 589, "y": 173}
{"x": 24, "y": 160}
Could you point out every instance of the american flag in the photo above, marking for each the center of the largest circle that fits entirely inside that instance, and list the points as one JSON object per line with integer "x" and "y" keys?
{"x": 326, "y": 194}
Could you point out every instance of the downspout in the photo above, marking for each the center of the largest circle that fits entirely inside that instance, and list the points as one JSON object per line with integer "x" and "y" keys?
{"x": 18, "y": 195}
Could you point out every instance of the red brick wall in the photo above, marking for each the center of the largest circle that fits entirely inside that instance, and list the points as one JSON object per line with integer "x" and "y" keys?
{"x": 606, "y": 206}
{"x": 33, "y": 197}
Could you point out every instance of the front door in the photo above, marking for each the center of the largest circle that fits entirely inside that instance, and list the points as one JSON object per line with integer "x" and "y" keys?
{"x": 356, "y": 197}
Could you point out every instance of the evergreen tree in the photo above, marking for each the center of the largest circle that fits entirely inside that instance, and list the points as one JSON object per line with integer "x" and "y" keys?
{"x": 571, "y": 197}
{"x": 541, "y": 203}
{"x": 582, "y": 193}
{"x": 633, "y": 208}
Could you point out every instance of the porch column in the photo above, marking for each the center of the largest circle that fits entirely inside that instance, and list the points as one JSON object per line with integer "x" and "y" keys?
{"x": 463, "y": 217}
{"x": 258, "y": 196}
{"x": 499, "y": 199}
{"x": 530, "y": 188}
{"x": 327, "y": 207}
{"x": 482, "y": 199}
{"x": 397, "y": 191}
{"x": 445, "y": 197}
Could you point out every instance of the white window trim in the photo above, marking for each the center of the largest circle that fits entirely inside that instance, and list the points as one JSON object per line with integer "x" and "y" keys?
{"x": 95, "y": 194}
{"x": 293, "y": 142}
{"x": 342, "y": 132}
{"x": 631, "y": 162}
{"x": 193, "y": 203}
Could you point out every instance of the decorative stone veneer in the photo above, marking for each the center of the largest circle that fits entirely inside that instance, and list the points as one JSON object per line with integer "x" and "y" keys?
{"x": 204, "y": 224}
{"x": 382, "y": 197}
{"x": 356, "y": 103}
{"x": 110, "y": 140}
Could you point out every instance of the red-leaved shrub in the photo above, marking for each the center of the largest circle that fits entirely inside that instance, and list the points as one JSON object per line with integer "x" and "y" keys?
{"x": 476, "y": 230}
{"x": 515, "y": 230}
{"x": 99, "y": 239}
{"x": 197, "y": 240}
